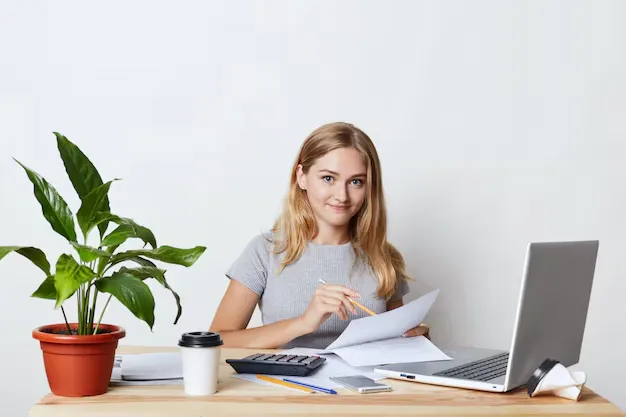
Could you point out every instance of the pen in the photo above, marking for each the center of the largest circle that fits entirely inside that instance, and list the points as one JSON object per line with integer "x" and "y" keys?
{"x": 367, "y": 310}
{"x": 285, "y": 384}
{"x": 322, "y": 389}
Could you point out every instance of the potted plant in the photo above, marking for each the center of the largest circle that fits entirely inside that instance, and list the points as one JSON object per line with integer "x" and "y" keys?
{"x": 79, "y": 355}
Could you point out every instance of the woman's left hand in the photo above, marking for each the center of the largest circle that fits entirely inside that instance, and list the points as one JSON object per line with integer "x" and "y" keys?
{"x": 421, "y": 330}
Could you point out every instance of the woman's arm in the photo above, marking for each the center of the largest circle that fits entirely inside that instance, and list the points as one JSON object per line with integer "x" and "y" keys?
{"x": 234, "y": 313}
{"x": 237, "y": 305}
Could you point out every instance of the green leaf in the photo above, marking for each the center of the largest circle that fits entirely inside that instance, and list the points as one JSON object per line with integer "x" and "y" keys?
{"x": 54, "y": 208}
{"x": 46, "y": 290}
{"x": 69, "y": 277}
{"x": 177, "y": 298}
{"x": 145, "y": 272}
{"x": 158, "y": 274}
{"x": 117, "y": 236}
{"x": 103, "y": 217}
{"x": 137, "y": 259}
{"x": 87, "y": 214}
{"x": 87, "y": 253}
{"x": 132, "y": 292}
{"x": 35, "y": 255}
{"x": 83, "y": 175}
{"x": 169, "y": 254}
{"x": 129, "y": 229}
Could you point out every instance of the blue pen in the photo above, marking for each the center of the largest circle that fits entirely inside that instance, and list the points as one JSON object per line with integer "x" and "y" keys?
{"x": 322, "y": 389}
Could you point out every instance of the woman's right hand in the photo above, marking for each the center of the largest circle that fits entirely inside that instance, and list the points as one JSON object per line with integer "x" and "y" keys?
{"x": 328, "y": 299}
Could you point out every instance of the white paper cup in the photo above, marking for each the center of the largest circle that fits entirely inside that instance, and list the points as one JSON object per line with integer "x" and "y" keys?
{"x": 200, "y": 355}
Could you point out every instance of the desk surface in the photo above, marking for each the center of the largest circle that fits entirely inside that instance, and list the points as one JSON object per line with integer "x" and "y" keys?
{"x": 238, "y": 397}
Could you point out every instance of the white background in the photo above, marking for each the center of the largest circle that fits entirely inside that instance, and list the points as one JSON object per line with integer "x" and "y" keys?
{"x": 498, "y": 123}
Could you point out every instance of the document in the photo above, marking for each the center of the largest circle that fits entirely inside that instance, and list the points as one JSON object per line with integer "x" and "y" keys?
{"x": 387, "y": 325}
{"x": 397, "y": 350}
{"x": 377, "y": 340}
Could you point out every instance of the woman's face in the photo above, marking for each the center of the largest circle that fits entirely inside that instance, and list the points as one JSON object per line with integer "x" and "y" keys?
{"x": 335, "y": 186}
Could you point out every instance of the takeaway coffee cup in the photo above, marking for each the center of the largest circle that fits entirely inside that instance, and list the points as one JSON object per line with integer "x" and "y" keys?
{"x": 200, "y": 355}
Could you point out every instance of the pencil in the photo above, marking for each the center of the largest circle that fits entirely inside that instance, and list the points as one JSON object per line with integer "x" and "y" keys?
{"x": 285, "y": 384}
{"x": 367, "y": 310}
{"x": 322, "y": 389}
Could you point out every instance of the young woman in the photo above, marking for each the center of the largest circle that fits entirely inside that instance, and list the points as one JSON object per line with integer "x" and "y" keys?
{"x": 333, "y": 227}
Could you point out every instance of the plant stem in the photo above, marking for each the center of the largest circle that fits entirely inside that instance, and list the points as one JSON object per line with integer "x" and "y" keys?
{"x": 102, "y": 314}
{"x": 84, "y": 299}
{"x": 86, "y": 311}
{"x": 93, "y": 308}
{"x": 101, "y": 265}
{"x": 79, "y": 299}
{"x": 83, "y": 307}
{"x": 69, "y": 330}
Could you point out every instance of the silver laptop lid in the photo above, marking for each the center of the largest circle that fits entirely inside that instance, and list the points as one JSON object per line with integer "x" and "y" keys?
{"x": 552, "y": 308}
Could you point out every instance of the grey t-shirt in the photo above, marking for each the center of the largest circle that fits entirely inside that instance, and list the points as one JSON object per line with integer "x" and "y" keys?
{"x": 287, "y": 294}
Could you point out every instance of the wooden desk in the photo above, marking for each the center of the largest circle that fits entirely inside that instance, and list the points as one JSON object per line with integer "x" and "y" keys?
{"x": 242, "y": 398}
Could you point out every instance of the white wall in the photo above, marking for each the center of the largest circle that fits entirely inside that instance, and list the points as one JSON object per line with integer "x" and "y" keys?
{"x": 497, "y": 123}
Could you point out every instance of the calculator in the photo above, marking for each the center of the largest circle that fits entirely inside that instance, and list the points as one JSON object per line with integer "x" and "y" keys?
{"x": 277, "y": 364}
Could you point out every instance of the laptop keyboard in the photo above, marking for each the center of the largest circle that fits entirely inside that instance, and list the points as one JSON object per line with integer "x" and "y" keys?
{"x": 481, "y": 370}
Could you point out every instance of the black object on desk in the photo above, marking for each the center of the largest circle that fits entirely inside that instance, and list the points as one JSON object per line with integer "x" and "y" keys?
{"x": 276, "y": 364}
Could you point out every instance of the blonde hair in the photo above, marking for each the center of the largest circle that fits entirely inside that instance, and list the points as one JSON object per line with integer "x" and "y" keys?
{"x": 296, "y": 225}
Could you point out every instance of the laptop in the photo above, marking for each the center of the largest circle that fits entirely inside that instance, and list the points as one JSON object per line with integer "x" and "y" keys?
{"x": 549, "y": 323}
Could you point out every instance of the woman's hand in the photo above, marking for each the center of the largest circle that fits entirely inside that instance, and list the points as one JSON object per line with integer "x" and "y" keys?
{"x": 328, "y": 299}
{"x": 421, "y": 330}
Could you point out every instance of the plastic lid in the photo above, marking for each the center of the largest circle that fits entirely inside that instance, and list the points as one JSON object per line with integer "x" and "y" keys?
{"x": 200, "y": 339}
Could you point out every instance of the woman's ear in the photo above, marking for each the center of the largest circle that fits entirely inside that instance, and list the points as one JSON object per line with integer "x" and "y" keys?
{"x": 301, "y": 178}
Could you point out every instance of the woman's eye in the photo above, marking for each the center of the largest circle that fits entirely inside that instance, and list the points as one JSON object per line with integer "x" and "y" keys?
{"x": 327, "y": 178}
{"x": 357, "y": 183}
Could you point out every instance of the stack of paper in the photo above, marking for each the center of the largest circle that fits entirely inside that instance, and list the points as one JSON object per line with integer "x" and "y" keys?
{"x": 396, "y": 350}
{"x": 377, "y": 340}
{"x": 148, "y": 369}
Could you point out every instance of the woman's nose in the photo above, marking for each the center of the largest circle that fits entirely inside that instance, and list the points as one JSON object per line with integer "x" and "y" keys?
{"x": 341, "y": 194}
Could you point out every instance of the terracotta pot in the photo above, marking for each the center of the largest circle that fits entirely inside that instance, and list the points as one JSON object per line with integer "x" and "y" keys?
{"x": 78, "y": 366}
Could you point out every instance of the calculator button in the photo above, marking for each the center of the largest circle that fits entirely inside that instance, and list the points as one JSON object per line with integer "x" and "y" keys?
{"x": 309, "y": 359}
{"x": 277, "y": 364}
{"x": 252, "y": 357}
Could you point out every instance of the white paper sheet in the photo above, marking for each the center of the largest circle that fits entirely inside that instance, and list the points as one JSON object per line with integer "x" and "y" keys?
{"x": 151, "y": 366}
{"x": 387, "y": 325}
{"x": 116, "y": 375}
{"x": 398, "y": 350}
{"x": 334, "y": 365}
